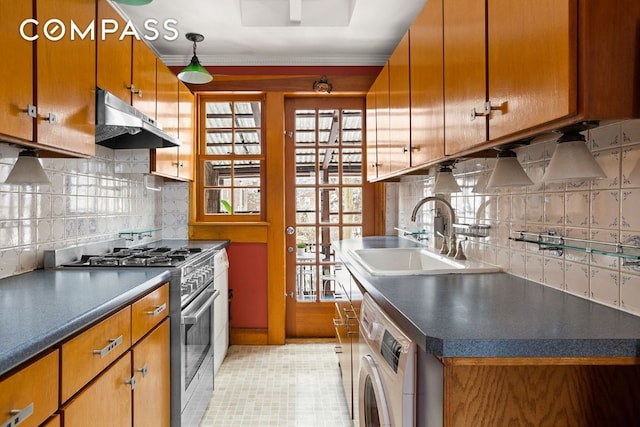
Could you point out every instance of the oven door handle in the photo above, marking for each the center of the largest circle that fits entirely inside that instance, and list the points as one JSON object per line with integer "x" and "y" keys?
{"x": 192, "y": 319}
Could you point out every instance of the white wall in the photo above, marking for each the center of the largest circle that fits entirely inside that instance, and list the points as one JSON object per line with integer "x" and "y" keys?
{"x": 605, "y": 210}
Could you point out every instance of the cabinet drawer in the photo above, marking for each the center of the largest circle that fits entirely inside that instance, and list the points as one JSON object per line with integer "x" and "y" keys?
{"x": 84, "y": 356}
{"x": 106, "y": 402}
{"x": 33, "y": 391}
{"x": 149, "y": 311}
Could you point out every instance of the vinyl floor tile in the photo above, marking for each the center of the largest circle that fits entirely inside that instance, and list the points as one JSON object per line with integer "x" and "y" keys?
{"x": 295, "y": 385}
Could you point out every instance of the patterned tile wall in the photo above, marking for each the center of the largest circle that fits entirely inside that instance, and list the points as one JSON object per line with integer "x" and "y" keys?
{"x": 88, "y": 200}
{"x": 605, "y": 210}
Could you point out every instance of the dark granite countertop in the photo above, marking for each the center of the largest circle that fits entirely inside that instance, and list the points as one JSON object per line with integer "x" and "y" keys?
{"x": 43, "y": 307}
{"x": 493, "y": 314}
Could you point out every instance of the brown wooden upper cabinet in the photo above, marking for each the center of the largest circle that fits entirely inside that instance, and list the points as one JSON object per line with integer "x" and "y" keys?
{"x": 381, "y": 89}
{"x": 176, "y": 162}
{"x": 513, "y": 70}
{"x": 127, "y": 67}
{"x": 61, "y": 117}
{"x": 16, "y": 74}
{"x": 427, "y": 93}
{"x": 372, "y": 151}
{"x": 399, "y": 104}
{"x": 528, "y": 59}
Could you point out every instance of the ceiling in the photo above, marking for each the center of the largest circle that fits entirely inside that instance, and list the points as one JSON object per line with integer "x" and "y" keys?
{"x": 278, "y": 32}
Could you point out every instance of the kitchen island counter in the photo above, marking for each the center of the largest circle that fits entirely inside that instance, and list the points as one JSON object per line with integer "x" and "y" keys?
{"x": 493, "y": 314}
{"x": 41, "y": 308}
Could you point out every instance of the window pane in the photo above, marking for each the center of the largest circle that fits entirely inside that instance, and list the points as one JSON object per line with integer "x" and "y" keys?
{"x": 327, "y": 235}
{"x": 305, "y": 166}
{"x": 217, "y": 173}
{"x": 247, "y": 142}
{"x": 246, "y": 200}
{"x": 352, "y": 127}
{"x": 305, "y": 127}
{"x": 219, "y": 142}
{"x": 305, "y": 205}
{"x": 352, "y": 199}
{"x": 328, "y": 126}
{"x": 329, "y": 204}
{"x": 246, "y": 173}
{"x": 216, "y": 201}
{"x": 329, "y": 167}
{"x": 351, "y": 232}
{"x": 218, "y": 115}
{"x": 306, "y": 283}
{"x": 247, "y": 114}
{"x": 352, "y": 166}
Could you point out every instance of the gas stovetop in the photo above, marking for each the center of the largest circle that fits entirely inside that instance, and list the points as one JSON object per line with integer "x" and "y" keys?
{"x": 137, "y": 257}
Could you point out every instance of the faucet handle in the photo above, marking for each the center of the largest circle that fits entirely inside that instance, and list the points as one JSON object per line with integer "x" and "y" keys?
{"x": 444, "y": 250}
{"x": 460, "y": 253}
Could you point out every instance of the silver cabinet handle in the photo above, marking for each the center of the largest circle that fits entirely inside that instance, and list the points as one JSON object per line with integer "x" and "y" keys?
{"x": 32, "y": 111}
{"x": 474, "y": 113}
{"x": 18, "y": 416}
{"x": 113, "y": 343}
{"x": 144, "y": 370}
{"x": 159, "y": 309}
{"x": 132, "y": 382}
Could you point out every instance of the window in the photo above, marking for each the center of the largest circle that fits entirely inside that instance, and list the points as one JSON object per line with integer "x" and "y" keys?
{"x": 231, "y": 159}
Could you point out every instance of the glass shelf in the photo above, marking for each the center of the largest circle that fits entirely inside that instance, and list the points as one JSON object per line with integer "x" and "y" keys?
{"x": 554, "y": 242}
{"x": 129, "y": 235}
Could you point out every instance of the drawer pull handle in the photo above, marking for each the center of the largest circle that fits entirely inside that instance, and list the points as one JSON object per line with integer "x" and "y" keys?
{"x": 159, "y": 309}
{"x": 132, "y": 382}
{"x": 144, "y": 370}
{"x": 113, "y": 343}
{"x": 18, "y": 416}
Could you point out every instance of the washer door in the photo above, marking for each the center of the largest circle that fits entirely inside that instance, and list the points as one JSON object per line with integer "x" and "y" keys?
{"x": 372, "y": 403}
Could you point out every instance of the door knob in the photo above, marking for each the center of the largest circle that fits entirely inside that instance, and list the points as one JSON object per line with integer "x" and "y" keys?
{"x": 290, "y": 230}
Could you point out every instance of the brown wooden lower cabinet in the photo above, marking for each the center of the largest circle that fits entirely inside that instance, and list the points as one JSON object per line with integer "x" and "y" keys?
{"x": 534, "y": 392}
{"x": 151, "y": 402}
{"x": 30, "y": 395}
{"x": 105, "y": 402}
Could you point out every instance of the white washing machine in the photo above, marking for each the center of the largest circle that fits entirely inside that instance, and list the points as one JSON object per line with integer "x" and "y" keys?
{"x": 387, "y": 379}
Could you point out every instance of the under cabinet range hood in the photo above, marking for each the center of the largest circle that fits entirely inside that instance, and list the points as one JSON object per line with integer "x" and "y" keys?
{"x": 121, "y": 126}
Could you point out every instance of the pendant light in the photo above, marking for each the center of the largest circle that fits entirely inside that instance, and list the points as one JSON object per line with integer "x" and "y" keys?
{"x": 508, "y": 172}
{"x": 445, "y": 181}
{"x": 572, "y": 160}
{"x": 194, "y": 72}
{"x": 134, "y": 2}
{"x": 27, "y": 170}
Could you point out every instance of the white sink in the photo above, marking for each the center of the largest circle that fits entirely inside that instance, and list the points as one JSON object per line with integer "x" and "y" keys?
{"x": 415, "y": 261}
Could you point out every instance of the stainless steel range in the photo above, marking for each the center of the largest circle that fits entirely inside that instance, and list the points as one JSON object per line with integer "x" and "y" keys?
{"x": 198, "y": 287}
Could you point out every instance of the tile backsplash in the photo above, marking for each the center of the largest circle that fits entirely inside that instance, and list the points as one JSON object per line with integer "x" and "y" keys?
{"x": 603, "y": 210}
{"x": 88, "y": 200}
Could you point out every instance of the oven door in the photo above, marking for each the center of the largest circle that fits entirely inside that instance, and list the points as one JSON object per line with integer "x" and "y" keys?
{"x": 196, "y": 340}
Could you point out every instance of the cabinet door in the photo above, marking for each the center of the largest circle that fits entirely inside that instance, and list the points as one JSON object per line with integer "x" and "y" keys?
{"x": 114, "y": 56}
{"x": 427, "y": 95}
{"x": 464, "y": 74}
{"x": 143, "y": 78}
{"x": 372, "y": 156}
{"x": 532, "y": 63}
{"x": 382, "y": 121}
{"x": 16, "y": 73}
{"x": 32, "y": 390}
{"x": 186, "y": 132}
{"x": 151, "y": 397}
{"x": 399, "y": 104}
{"x": 165, "y": 160}
{"x": 105, "y": 402}
{"x": 66, "y": 80}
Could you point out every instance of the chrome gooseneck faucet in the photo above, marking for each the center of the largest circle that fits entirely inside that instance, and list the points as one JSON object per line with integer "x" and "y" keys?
{"x": 452, "y": 220}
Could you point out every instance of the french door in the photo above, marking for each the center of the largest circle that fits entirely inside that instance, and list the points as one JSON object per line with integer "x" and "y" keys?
{"x": 327, "y": 199}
